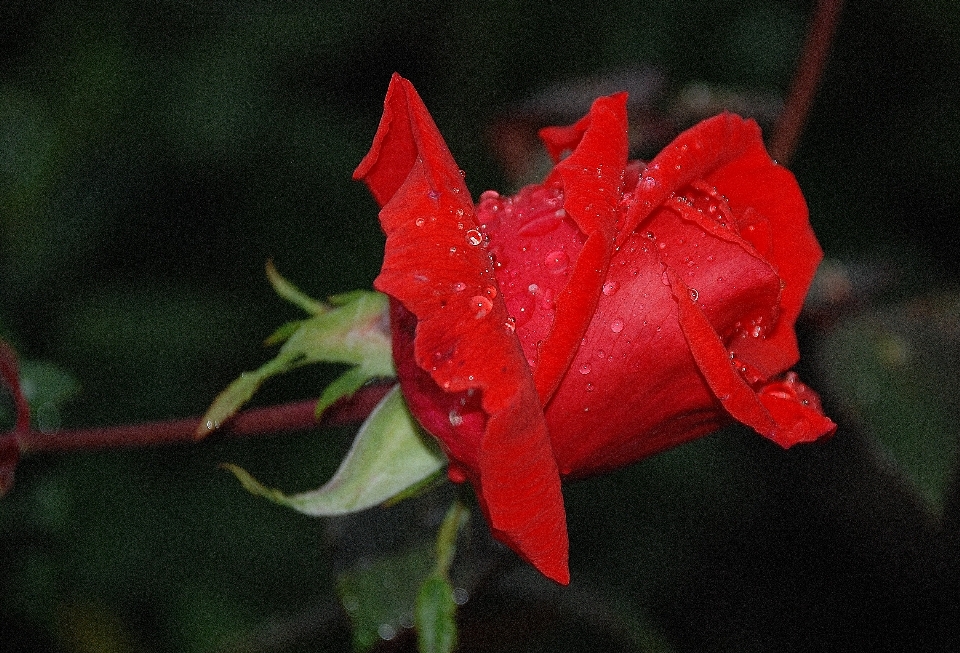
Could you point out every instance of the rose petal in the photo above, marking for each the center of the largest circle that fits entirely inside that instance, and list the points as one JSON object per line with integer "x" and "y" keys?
{"x": 787, "y": 424}
{"x": 771, "y": 192}
{"x": 592, "y": 179}
{"x": 694, "y": 154}
{"x": 431, "y": 267}
{"x": 796, "y": 408}
{"x": 633, "y": 389}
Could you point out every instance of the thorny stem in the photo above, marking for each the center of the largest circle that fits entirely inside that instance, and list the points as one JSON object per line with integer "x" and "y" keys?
{"x": 813, "y": 60}
{"x": 285, "y": 418}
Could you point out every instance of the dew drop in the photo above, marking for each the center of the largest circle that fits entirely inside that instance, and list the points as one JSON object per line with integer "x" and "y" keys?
{"x": 589, "y": 387}
{"x": 662, "y": 245}
{"x": 459, "y": 286}
{"x": 482, "y": 305}
{"x": 474, "y": 237}
{"x": 386, "y": 632}
{"x": 694, "y": 295}
{"x": 456, "y": 419}
{"x": 453, "y": 250}
{"x": 610, "y": 288}
{"x": 600, "y": 353}
{"x": 510, "y": 324}
{"x": 489, "y": 195}
{"x": 585, "y": 368}
{"x": 540, "y": 226}
{"x": 434, "y": 195}
{"x": 420, "y": 222}
{"x": 616, "y": 326}
{"x": 460, "y": 595}
{"x": 546, "y": 300}
{"x": 557, "y": 262}
{"x": 533, "y": 289}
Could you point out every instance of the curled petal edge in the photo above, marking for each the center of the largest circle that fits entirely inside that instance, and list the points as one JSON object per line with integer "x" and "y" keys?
{"x": 413, "y": 175}
{"x": 592, "y": 180}
{"x": 775, "y": 414}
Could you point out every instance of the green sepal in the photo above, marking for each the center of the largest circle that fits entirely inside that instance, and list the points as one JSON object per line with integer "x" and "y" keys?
{"x": 293, "y": 294}
{"x": 283, "y": 333}
{"x": 353, "y": 330}
{"x": 389, "y": 455}
{"x": 344, "y": 386}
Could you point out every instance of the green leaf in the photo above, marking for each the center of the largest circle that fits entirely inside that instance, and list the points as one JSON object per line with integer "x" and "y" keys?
{"x": 389, "y": 455}
{"x": 354, "y": 331}
{"x": 896, "y": 369}
{"x": 435, "y": 615}
{"x": 47, "y": 388}
{"x": 380, "y": 596}
{"x": 456, "y": 517}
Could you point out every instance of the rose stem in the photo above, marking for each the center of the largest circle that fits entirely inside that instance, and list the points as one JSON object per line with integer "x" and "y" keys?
{"x": 297, "y": 416}
{"x": 813, "y": 60}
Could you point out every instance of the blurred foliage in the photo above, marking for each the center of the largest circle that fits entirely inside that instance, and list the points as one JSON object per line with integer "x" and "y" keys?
{"x": 896, "y": 368}
{"x": 154, "y": 155}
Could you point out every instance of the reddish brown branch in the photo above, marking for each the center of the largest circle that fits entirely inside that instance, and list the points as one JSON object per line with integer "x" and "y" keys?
{"x": 285, "y": 418}
{"x": 813, "y": 60}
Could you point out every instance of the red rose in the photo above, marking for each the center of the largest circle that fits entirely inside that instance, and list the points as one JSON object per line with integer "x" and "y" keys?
{"x": 612, "y": 312}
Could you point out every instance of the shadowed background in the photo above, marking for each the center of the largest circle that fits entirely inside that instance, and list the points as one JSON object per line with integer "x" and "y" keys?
{"x": 154, "y": 155}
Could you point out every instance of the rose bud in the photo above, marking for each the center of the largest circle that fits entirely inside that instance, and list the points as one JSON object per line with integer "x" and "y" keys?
{"x": 616, "y": 310}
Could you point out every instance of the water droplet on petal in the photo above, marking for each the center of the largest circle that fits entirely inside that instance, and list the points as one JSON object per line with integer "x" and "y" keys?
{"x": 540, "y": 226}
{"x": 474, "y": 237}
{"x": 434, "y": 195}
{"x": 420, "y": 222}
{"x": 616, "y": 326}
{"x": 610, "y": 288}
{"x": 546, "y": 300}
{"x": 482, "y": 305}
{"x": 694, "y": 295}
{"x": 533, "y": 288}
{"x": 585, "y": 368}
{"x": 459, "y": 286}
{"x": 455, "y": 418}
{"x": 557, "y": 262}
{"x": 510, "y": 324}
{"x": 589, "y": 387}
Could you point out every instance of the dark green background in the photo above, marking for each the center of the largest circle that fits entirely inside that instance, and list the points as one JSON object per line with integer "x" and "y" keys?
{"x": 154, "y": 154}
